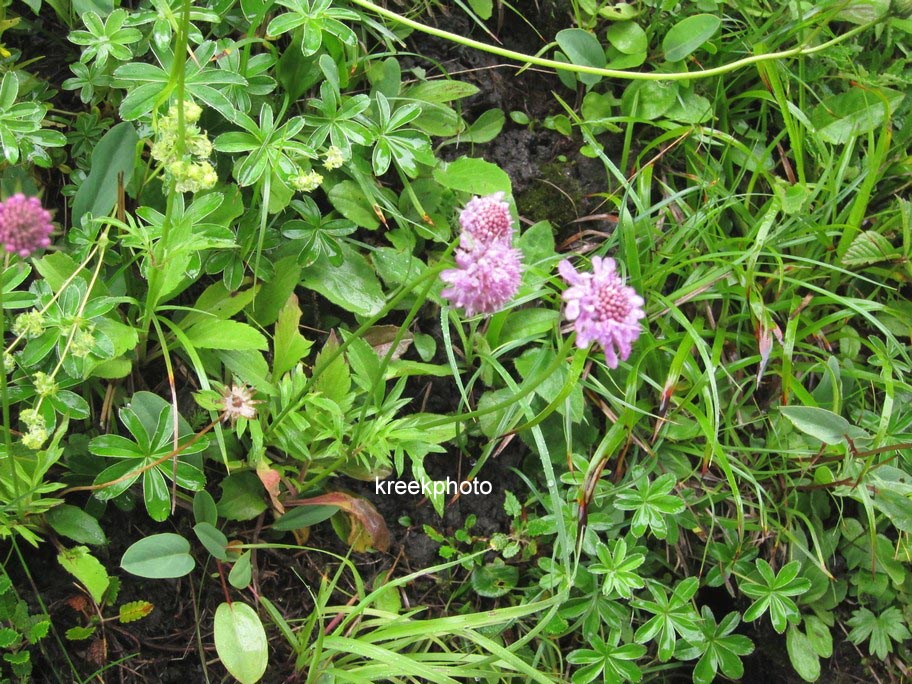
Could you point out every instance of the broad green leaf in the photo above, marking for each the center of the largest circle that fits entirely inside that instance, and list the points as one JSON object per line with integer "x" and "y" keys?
{"x": 494, "y": 579}
{"x": 304, "y": 516}
{"x": 648, "y": 100}
{"x": 476, "y": 176}
{"x": 240, "y": 641}
{"x": 213, "y": 539}
{"x": 841, "y": 117}
{"x": 628, "y": 37}
{"x": 74, "y": 523}
{"x": 805, "y": 661}
{"x": 241, "y": 572}
{"x": 869, "y": 247}
{"x": 353, "y": 285}
{"x": 483, "y": 8}
{"x": 115, "y": 154}
{"x": 160, "y": 556}
{"x": 289, "y": 345}
{"x": 583, "y": 49}
{"x": 80, "y": 563}
{"x": 689, "y": 34}
{"x": 822, "y": 424}
{"x": 211, "y": 333}
{"x": 204, "y": 509}
{"x": 485, "y": 128}
{"x": 242, "y": 496}
{"x": 349, "y": 200}
{"x": 440, "y": 91}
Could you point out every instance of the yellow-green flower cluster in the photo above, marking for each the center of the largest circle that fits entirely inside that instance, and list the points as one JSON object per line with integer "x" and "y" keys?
{"x": 37, "y": 433}
{"x": 334, "y": 158}
{"x": 83, "y": 341}
{"x": 188, "y": 166}
{"x": 29, "y": 324}
{"x": 45, "y": 385}
{"x": 7, "y": 362}
{"x": 306, "y": 181}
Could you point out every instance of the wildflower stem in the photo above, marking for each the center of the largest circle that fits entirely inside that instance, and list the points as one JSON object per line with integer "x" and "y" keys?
{"x": 4, "y": 400}
{"x": 801, "y": 50}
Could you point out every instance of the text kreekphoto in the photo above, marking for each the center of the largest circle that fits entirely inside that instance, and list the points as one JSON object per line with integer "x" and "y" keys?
{"x": 435, "y": 487}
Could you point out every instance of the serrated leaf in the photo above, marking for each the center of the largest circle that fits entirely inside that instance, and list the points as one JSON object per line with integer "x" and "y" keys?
{"x": 8, "y": 637}
{"x": 79, "y": 633}
{"x": 80, "y": 563}
{"x": 134, "y": 610}
{"x": 869, "y": 247}
{"x": 211, "y": 333}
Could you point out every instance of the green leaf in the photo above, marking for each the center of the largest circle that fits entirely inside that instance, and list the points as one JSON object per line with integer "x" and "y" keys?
{"x": 869, "y": 247}
{"x": 204, "y": 509}
{"x": 349, "y": 199}
{"x": 242, "y": 496}
{"x": 440, "y": 91}
{"x": 648, "y": 100}
{"x": 353, "y": 284}
{"x": 822, "y": 424}
{"x": 289, "y": 345}
{"x": 494, "y": 579}
{"x": 115, "y": 154}
{"x": 133, "y": 611}
{"x": 476, "y": 176}
{"x": 8, "y": 637}
{"x": 483, "y": 8}
{"x": 240, "y": 642}
{"x": 74, "y": 523}
{"x": 161, "y": 556}
{"x": 484, "y": 129}
{"x": 213, "y": 539}
{"x": 628, "y": 37}
{"x": 211, "y": 333}
{"x": 304, "y": 516}
{"x": 839, "y": 118}
{"x": 689, "y": 34}
{"x": 241, "y": 572}
{"x": 79, "y": 633}
{"x": 583, "y": 49}
{"x": 80, "y": 563}
{"x": 805, "y": 661}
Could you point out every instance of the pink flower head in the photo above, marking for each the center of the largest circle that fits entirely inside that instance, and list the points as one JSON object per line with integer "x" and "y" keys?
{"x": 602, "y": 308}
{"x": 24, "y": 225}
{"x": 485, "y": 278}
{"x": 486, "y": 220}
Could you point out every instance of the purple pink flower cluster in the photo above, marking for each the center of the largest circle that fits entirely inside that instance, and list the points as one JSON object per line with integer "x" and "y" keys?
{"x": 487, "y": 275}
{"x": 488, "y": 268}
{"x": 25, "y": 225}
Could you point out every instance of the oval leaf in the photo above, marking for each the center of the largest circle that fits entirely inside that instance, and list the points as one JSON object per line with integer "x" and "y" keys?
{"x": 822, "y": 424}
{"x": 161, "y": 556}
{"x": 240, "y": 642}
{"x": 76, "y": 524}
{"x": 689, "y": 34}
